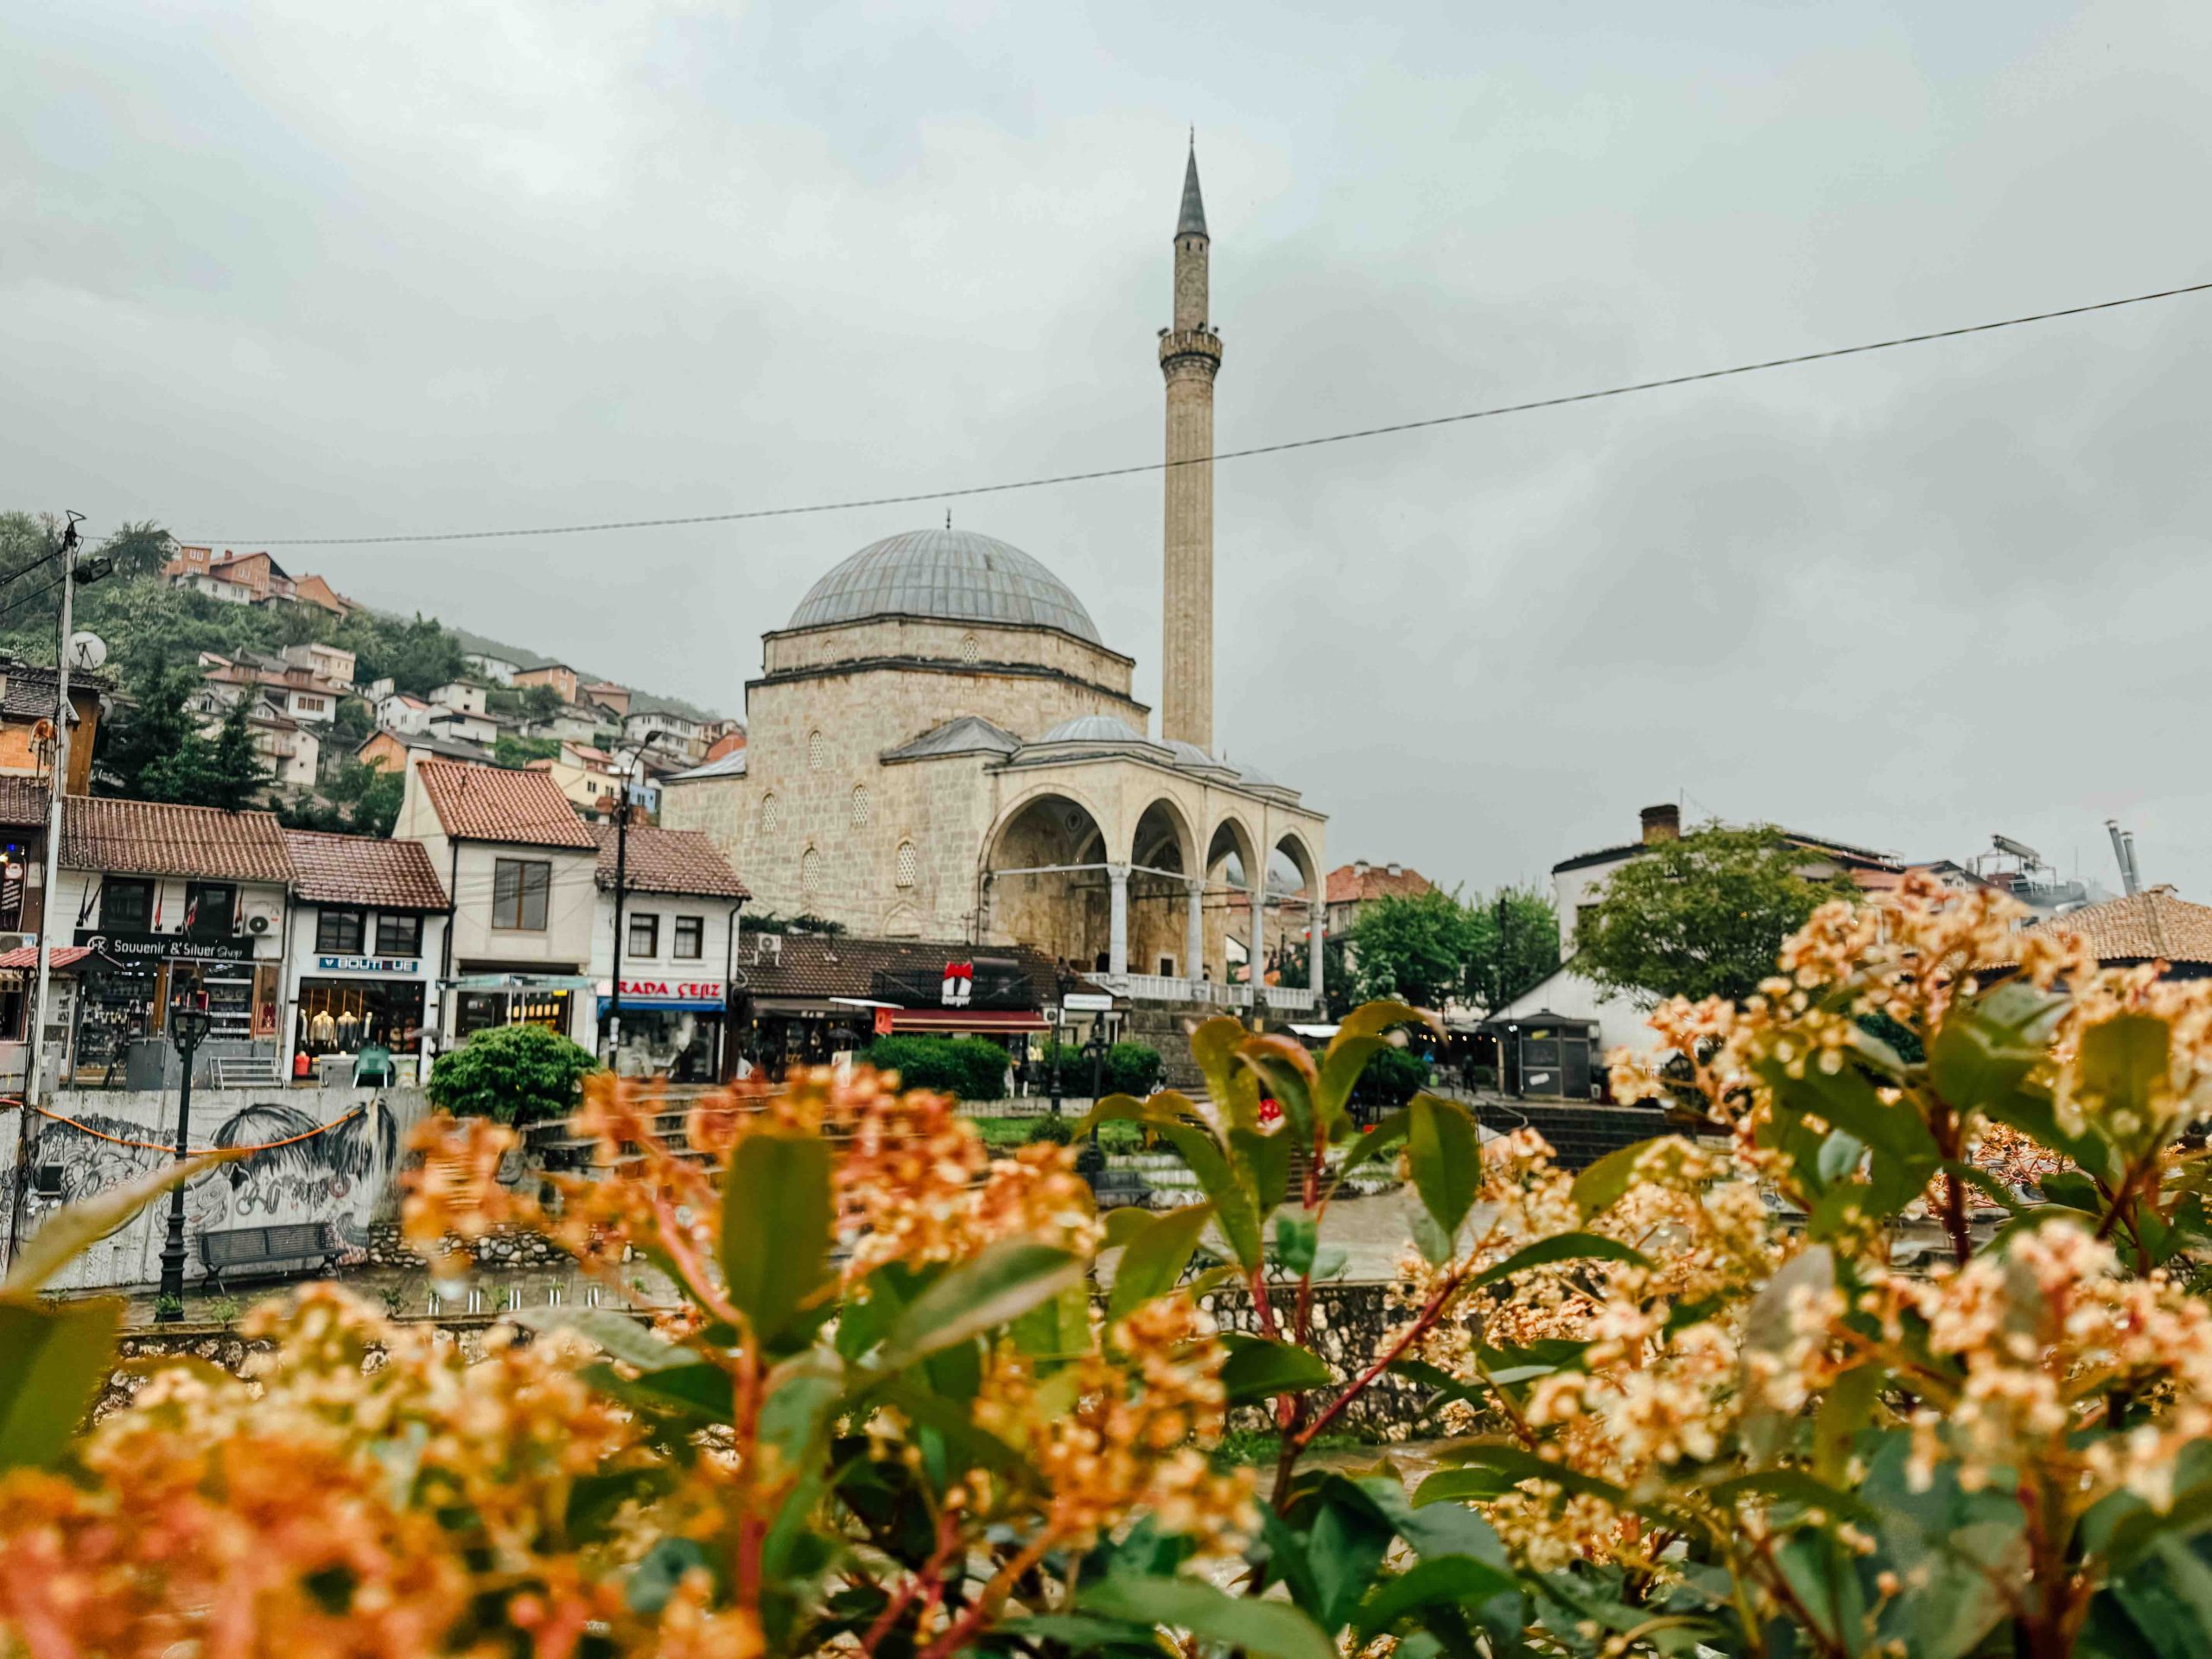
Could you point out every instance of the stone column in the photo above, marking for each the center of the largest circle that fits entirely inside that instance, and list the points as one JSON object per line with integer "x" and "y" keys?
{"x": 1317, "y": 939}
{"x": 1117, "y": 940}
{"x": 1257, "y": 977}
{"x": 1194, "y": 944}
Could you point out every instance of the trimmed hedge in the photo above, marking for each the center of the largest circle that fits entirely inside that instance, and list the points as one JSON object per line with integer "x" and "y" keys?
{"x": 1394, "y": 1076}
{"x": 1130, "y": 1069}
{"x": 967, "y": 1068}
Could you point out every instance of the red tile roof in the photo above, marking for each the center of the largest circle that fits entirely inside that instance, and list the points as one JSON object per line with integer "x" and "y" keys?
{"x": 1350, "y": 884}
{"x": 156, "y": 838}
{"x": 667, "y": 860}
{"x": 2149, "y": 926}
{"x": 22, "y": 803}
{"x": 363, "y": 870}
{"x": 493, "y": 804}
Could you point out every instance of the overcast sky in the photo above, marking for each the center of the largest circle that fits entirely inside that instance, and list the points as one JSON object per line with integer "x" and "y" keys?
{"x": 313, "y": 270}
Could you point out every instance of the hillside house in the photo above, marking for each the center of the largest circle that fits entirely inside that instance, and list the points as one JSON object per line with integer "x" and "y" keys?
{"x": 332, "y": 663}
{"x": 606, "y": 694}
{"x": 28, "y": 694}
{"x": 465, "y": 696}
{"x": 559, "y": 676}
{"x": 496, "y": 670}
{"x": 390, "y": 750}
{"x": 407, "y": 714}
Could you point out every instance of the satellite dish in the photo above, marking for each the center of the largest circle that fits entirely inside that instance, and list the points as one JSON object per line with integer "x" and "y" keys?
{"x": 86, "y": 650}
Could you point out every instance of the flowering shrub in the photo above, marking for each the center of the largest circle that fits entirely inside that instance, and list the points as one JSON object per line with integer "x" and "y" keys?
{"x": 1686, "y": 1401}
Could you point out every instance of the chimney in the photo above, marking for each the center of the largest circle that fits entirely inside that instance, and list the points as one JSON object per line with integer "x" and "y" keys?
{"x": 1396, "y": 869}
{"x": 1662, "y": 824}
{"x": 1359, "y": 866}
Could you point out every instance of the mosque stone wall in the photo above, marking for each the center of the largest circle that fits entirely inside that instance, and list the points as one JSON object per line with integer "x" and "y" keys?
{"x": 963, "y": 643}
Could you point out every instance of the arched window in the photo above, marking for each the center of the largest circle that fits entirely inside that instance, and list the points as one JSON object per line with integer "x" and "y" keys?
{"x": 908, "y": 863}
{"x": 809, "y": 874}
{"x": 771, "y": 814}
{"x": 971, "y": 649}
{"x": 818, "y": 751}
{"x": 859, "y": 806}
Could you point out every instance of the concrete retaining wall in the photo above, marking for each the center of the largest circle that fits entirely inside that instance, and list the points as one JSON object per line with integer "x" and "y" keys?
{"x": 343, "y": 1175}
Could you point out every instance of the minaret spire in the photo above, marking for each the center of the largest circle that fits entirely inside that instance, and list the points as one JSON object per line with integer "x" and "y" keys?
{"x": 1190, "y": 357}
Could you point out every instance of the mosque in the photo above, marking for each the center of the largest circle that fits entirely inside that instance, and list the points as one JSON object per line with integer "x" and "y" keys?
{"x": 940, "y": 746}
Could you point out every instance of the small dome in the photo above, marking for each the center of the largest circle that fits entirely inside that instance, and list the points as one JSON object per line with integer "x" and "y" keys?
{"x": 953, "y": 574}
{"x": 1188, "y": 754}
{"x": 1093, "y": 729}
{"x": 1254, "y": 775}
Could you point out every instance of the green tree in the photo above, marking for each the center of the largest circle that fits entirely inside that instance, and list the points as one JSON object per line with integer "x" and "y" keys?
{"x": 1700, "y": 916}
{"x": 147, "y": 734}
{"x": 1413, "y": 950}
{"x": 515, "y": 1074}
{"x": 1503, "y": 964}
{"x": 519, "y": 752}
{"x": 232, "y": 771}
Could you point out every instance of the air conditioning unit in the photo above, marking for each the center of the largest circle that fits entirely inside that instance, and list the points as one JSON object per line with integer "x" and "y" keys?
{"x": 259, "y": 924}
{"x": 767, "y": 948}
{"x": 262, "y": 915}
{"x": 17, "y": 942}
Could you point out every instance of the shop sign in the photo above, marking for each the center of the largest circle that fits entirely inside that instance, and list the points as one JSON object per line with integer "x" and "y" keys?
{"x": 704, "y": 991}
{"x": 368, "y": 964}
{"x": 164, "y": 947}
{"x": 971, "y": 983}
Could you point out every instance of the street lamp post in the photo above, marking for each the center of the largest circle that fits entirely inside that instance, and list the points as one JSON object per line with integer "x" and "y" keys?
{"x": 188, "y": 1028}
{"x": 1059, "y": 1033}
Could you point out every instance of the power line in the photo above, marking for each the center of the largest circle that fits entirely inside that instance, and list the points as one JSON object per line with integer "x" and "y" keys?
{"x": 1464, "y": 417}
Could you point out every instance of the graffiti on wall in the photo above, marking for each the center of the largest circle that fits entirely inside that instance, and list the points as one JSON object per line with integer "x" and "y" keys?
{"x": 307, "y": 1170}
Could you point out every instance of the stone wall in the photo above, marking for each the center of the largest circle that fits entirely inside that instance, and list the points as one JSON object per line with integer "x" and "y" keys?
{"x": 1580, "y": 1134}
{"x": 1351, "y": 1322}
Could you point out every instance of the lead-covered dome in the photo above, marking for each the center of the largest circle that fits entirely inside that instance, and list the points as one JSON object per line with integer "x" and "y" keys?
{"x": 953, "y": 574}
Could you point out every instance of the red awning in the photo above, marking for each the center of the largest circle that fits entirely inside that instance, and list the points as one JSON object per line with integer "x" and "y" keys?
{"x": 996, "y": 1021}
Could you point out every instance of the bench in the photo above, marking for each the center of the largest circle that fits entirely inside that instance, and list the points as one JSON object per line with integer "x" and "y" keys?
{"x": 1117, "y": 1188}
{"x": 223, "y": 1248}
{"x": 245, "y": 1071}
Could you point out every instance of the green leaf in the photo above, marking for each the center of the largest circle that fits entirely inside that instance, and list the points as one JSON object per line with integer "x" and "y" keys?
{"x": 1297, "y": 1242}
{"x": 1601, "y": 1186}
{"x": 1386, "y": 1136}
{"x": 76, "y": 1227}
{"x": 1463, "y": 1487}
{"x": 1266, "y": 1630}
{"x": 777, "y": 1225}
{"x": 620, "y": 1336}
{"x": 1445, "y": 1153}
{"x": 2121, "y": 1067}
{"x": 1561, "y": 1247}
{"x": 1258, "y": 1369}
{"x": 1373, "y": 1019}
{"x": 1516, "y": 1464}
{"x": 1235, "y": 1091}
{"x": 1265, "y": 1160}
{"x": 52, "y": 1358}
{"x": 1002, "y": 1281}
{"x": 1286, "y": 1071}
{"x": 1341, "y": 1065}
{"x": 1233, "y": 1205}
{"x": 1451, "y": 1579}
{"x": 798, "y": 1399}
{"x": 1792, "y": 1486}
{"x": 1155, "y": 1257}
{"x": 699, "y": 1392}
{"x": 1844, "y": 1410}
{"x": 1436, "y": 1246}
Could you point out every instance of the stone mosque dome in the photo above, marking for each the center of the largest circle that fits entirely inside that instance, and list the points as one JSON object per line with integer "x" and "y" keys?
{"x": 954, "y": 575}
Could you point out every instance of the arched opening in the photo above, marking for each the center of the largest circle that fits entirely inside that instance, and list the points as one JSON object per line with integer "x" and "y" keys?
{"x": 1229, "y": 854}
{"x": 1045, "y": 882}
{"x": 1297, "y": 902}
{"x": 1162, "y": 859}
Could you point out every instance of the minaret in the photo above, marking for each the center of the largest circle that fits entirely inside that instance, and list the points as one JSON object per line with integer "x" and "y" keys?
{"x": 1189, "y": 357}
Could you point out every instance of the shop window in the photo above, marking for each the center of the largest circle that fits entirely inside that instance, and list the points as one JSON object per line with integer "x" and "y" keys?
{"x": 210, "y": 909}
{"x": 691, "y": 941}
{"x": 859, "y": 806}
{"x": 399, "y": 935}
{"x": 520, "y": 888}
{"x": 909, "y": 863}
{"x": 340, "y": 933}
{"x": 644, "y": 936}
{"x": 126, "y": 906}
{"x": 344, "y": 1016}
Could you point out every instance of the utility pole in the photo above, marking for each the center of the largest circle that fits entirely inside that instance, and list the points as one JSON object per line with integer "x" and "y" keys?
{"x": 621, "y": 873}
{"x": 48, "y": 910}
